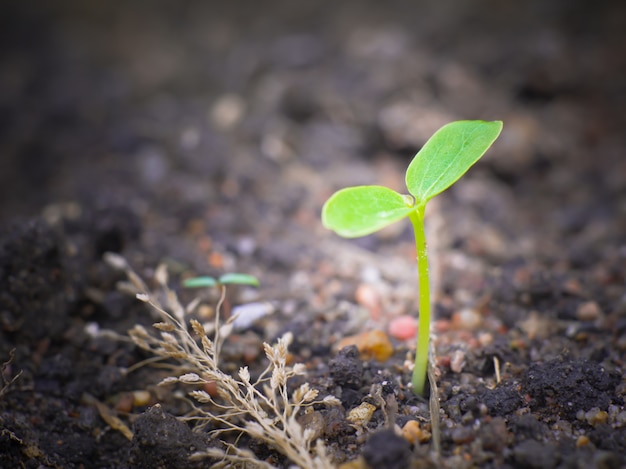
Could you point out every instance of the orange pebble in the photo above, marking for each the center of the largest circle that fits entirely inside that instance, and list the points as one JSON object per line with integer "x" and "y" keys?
{"x": 211, "y": 388}
{"x": 216, "y": 260}
{"x": 403, "y": 327}
{"x": 413, "y": 433}
{"x": 371, "y": 344}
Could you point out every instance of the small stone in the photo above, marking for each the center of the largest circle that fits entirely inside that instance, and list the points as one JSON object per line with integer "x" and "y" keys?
{"x": 368, "y": 297}
{"x": 457, "y": 361}
{"x": 124, "y": 402}
{"x": 573, "y": 287}
{"x": 362, "y": 414}
{"x": 463, "y": 435}
{"x": 227, "y": 111}
{"x": 403, "y": 327}
{"x": 371, "y": 344}
{"x": 582, "y": 441}
{"x": 141, "y": 398}
{"x": 467, "y": 318}
{"x": 413, "y": 433}
{"x": 210, "y": 387}
{"x": 589, "y": 311}
{"x": 596, "y": 416}
{"x": 247, "y": 314}
{"x": 485, "y": 339}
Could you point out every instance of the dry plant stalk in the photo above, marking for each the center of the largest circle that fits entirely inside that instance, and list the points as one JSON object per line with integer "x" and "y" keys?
{"x": 263, "y": 409}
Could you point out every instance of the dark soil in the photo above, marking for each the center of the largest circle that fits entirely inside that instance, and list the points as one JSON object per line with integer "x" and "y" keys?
{"x": 208, "y": 137}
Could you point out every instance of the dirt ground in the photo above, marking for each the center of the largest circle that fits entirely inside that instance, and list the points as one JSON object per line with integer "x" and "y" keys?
{"x": 207, "y": 137}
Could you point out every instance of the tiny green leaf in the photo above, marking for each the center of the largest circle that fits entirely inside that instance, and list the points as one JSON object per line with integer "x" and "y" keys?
{"x": 362, "y": 210}
{"x": 199, "y": 282}
{"x": 447, "y": 155}
{"x": 239, "y": 279}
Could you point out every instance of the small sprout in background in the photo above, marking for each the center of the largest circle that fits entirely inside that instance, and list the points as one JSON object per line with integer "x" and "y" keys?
{"x": 363, "y": 210}
{"x": 226, "y": 279}
{"x": 243, "y": 315}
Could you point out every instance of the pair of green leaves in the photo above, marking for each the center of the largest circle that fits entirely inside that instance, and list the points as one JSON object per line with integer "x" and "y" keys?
{"x": 226, "y": 279}
{"x": 448, "y": 154}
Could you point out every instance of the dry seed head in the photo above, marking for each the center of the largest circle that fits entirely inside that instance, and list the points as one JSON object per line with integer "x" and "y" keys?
{"x": 331, "y": 400}
{"x": 136, "y": 281}
{"x": 143, "y": 297}
{"x": 189, "y": 378}
{"x": 164, "y": 326}
{"x": 244, "y": 374}
{"x": 286, "y": 339}
{"x": 197, "y": 328}
{"x": 269, "y": 352}
{"x": 170, "y": 339}
{"x": 166, "y": 347}
{"x": 191, "y": 306}
{"x": 126, "y": 287}
{"x": 201, "y": 396}
{"x": 140, "y": 343}
{"x": 139, "y": 331}
{"x": 168, "y": 380}
{"x": 279, "y": 378}
{"x": 299, "y": 393}
{"x": 298, "y": 369}
{"x": 177, "y": 309}
{"x": 207, "y": 345}
{"x": 160, "y": 275}
{"x": 115, "y": 260}
{"x": 310, "y": 395}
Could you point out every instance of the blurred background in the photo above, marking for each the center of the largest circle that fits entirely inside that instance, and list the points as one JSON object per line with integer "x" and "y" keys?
{"x": 188, "y": 102}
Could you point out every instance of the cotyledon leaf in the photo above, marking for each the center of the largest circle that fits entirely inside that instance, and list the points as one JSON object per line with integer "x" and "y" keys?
{"x": 362, "y": 210}
{"x": 447, "y": 155}
{"x": 239, "y": 279}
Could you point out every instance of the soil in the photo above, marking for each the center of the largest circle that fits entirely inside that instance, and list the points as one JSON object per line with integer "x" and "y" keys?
{"x": 208, "y": 136}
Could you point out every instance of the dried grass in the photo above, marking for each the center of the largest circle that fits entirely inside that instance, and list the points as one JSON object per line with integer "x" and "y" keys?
{"x": 261, "y": 408}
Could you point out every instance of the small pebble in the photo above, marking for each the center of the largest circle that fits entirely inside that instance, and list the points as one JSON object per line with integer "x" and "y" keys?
{"x": 124, "y": 402}
{"x": 228, "y": 111}
{"x": 248, "y": 313}
{"x": 413, "y": 433}
{"x": 485, "y": 339}
{"x": 457, "y": 361}
{"x": 589, "y": 311}
{"x": 141, "y": 398}
{"x": 463, "y": 435}
{"x": 403, "y": 327}
{"x": 371, "y": 344}
{"x": 467, "y": 318}
{"x": 582, "y": 441}
{"x": 210, "y": 387}
{"x": 368, "y": 297}
{"x": 596, "y": 416}
{"x": 362, "y": 414}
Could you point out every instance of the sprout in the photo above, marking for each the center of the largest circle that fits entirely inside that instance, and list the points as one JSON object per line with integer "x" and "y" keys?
{"x": 363, "y": 210}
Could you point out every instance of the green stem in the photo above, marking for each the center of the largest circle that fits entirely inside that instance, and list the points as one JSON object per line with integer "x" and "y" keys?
{"x": 423, "y": 337}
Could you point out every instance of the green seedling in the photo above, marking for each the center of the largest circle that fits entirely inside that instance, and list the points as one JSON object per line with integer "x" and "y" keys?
{"x": 363, "y": 210}
{"x": 226, "y": 279}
